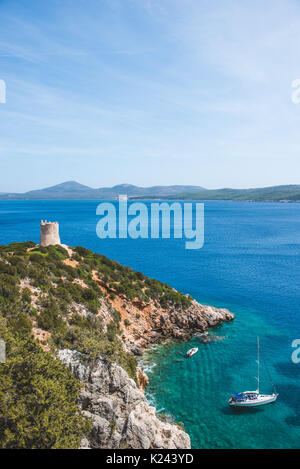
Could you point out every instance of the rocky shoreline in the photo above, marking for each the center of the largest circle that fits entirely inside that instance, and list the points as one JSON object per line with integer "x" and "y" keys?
{"x": 178, "y": 324}
{"x": 115, "y": 404}
{"x": 120, "y": 414}
{"x": 150, "y": 323}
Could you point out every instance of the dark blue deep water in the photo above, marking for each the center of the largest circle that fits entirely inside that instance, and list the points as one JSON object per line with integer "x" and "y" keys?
{"x": 250, "y": 263}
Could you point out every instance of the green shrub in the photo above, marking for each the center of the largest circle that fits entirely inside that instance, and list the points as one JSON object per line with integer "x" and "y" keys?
{"x": 49, "y": 318}
{"x": 20, "y": 248}
{"x": 21, "y": 323}
{"x": 38, "y": 398}
{"x": 112, "y": 331}
{"x": 116, "y": 316}
{"x": 38, "y": 257}
{"x": 8, "y": 292}
{"x": 7, "y": 269}
{"x": 83, "y": 252}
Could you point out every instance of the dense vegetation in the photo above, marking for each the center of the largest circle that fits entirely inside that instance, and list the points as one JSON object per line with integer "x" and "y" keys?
{"x": 132, "y": 284}
{"x": 39, "y": 290}
{"x": 37, "y": 394}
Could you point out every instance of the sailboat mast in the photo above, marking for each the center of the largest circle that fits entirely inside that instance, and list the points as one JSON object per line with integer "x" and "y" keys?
{"x": 258, "y": 364}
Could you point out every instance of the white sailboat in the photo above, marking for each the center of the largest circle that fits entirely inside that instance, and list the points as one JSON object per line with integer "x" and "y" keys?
{"x": 252, "y": 398}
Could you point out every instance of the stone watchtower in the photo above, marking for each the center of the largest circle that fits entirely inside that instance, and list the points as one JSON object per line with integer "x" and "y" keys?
{"x": 49, "y": 233}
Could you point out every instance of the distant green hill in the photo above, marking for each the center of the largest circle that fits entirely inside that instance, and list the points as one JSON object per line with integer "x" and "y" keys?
{"x": 289, "y": 193}
{"x": 72, "y": 190}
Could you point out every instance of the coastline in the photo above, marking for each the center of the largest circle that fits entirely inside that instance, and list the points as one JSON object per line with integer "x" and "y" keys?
{"x": 149, "y": 199}
{"x": 219, "y": 276}
{"x": 162, "y": 325}
{"x": 148, "y": 426}
{"x": 97, "y": 316}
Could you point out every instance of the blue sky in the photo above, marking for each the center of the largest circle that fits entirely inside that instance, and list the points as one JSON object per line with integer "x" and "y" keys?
{"x": 149, "y": 92}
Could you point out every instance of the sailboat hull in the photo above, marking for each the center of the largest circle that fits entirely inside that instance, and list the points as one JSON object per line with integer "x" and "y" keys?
{"x": 260, "y": 400}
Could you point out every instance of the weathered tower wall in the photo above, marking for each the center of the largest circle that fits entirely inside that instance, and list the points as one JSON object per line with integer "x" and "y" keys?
{"x": 49, "y": 233}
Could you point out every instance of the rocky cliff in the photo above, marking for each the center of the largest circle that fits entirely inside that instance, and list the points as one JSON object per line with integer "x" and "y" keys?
{"x": 120, "y": 414}
{"x": 97, "y": 316}
{"x": 118, "y": 409}
{"x": 149, "y": 322}
{"x": 160, "y": 324}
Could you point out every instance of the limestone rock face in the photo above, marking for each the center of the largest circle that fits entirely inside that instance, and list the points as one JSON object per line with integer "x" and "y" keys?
{"x": 49, "y": 233}
{"x": 120, "y": 414}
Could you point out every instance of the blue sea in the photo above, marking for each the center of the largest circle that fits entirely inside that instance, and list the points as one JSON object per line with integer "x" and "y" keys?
{"x": 250, "y": 264}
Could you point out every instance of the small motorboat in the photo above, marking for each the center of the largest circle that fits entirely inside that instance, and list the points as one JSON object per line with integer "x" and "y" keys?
{"x": 252, "y": 398}
{"x": 191, "y": 352}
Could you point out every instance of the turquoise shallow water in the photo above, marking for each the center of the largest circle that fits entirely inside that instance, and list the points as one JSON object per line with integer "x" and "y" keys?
{"x": 250, "y": 263}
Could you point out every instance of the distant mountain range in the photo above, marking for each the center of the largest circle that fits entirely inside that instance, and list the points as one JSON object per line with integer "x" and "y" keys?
{"x": 73, "y": 191}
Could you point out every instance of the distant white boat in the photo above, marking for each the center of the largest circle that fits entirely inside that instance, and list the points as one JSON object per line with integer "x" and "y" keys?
{"x": 192, "y": 352}
{"x": 252, "y": 398}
